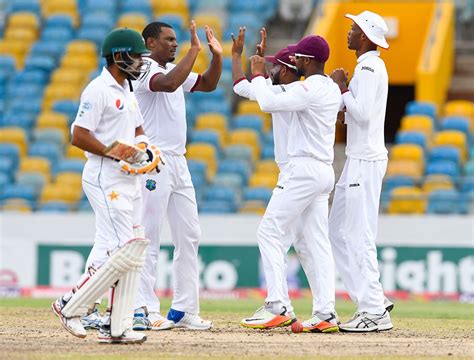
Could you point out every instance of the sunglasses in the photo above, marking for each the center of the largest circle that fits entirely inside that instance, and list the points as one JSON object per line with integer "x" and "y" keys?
{"x": 299, "y": 56}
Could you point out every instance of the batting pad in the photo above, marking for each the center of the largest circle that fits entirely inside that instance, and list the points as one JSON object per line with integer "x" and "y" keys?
{"x": 127, "y": 258}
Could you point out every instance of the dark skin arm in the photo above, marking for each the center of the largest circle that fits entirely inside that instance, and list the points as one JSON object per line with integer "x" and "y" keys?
{"x": 174, "y": 79}
{"x": 211, "y": 77}
{"x": 237, "y": 49}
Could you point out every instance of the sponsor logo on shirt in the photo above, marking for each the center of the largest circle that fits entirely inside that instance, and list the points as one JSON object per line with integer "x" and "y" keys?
{"x": 354, "y": 185}
{"x": 85, "y": 106}
{"x": 150, "y": 184}
{"x": 367, "y": 68}
{"x": 119, "y": 104}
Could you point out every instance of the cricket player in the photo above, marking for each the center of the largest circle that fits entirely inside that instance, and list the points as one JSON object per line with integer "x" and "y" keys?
{"x": 354, "y": 213}
{"x": 283, "y": 74}
{"x": 303, "y": 191}
{"x": 170, "y": 193}
{"x": 109, "y": 111}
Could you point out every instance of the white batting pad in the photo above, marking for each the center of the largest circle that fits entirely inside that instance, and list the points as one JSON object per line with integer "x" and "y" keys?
{"x": 127, "y": 258}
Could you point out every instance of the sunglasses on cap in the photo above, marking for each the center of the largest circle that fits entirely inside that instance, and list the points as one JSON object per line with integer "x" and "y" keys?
{"x": 299, "y": 56}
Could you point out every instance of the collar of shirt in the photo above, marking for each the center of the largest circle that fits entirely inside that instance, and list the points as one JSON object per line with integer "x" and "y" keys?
{"x": 367, "y": 54}
{"x": 109, "y": 79}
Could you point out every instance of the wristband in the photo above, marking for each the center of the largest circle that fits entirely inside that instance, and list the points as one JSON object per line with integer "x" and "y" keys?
{"x": 142, "y": 139}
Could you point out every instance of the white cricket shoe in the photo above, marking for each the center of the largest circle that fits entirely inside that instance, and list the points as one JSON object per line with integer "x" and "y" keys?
{"x": 159, "y": 322}
{"x": 190, "y": 321}
{"x": 72, "y": 324}
{"x": 93, "y": 321}
{"x": 365, "y": 322}
{"x": 264, "y": 319}
{"x": 321, "y": 323}
{"x": 128, "y": 337}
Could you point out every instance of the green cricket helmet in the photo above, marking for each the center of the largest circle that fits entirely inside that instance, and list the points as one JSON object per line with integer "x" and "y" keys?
{"x": 126, "y": 42}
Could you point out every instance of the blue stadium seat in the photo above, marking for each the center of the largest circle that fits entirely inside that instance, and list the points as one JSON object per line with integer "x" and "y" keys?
{"x": 450, "y": 153}
{"x": 207, "y": 136}
{"x": 257, "y": 193}
{"x": 217, "y": 95}
{"x": 411, "y": 137}
{"x": 467, "y": 184}
{"x": 421, "y": 108}
{"x": 175, "y": 21}
{"x": 32, "y": 179}
{"x": 442, "y": 167}
{"x": 34, "y": 77}
{"x": 31, "y": 104}
{"x": 469, "y": 168}
{"x": 105, "y": 6}
{"x": 198, "y": 170}
{"x": 254, "y": 122}
{"x": 54, "y": 207}
{"x": 4, "y": 180}
{"x": 10, "y": 151}
{"x": 61, "y": 34}
{"x": 7, "y": 167}
{"x": 20, "y": 119}
{"x": 206, "y": 106}
{"x": 84, "y": 206}
{"x": 67, "y": 107}
{"x": 238, "y": 152}
{"x": 49, "y": 135}
{"x": 456, "y": 123}
{"x": 233, "y": 181}
{"x": 47, "y": 150}
{"x": 216, "y": 207}
{"x": 60, "y": 22}
{"x": 221, "y": 193}
{"x": 44, "y": 63}
{"x": 98, "y": 19}
{"x": 392, "y": 182}
{"x": 7, "y": 64}
{"x": 47, "y": 47}
{"x": 94, "y": 34}
{"x": 25, "y": 90}
{"x": 18, "y": 191}
{"x": 69, "y": 165}
{"x": 137, "y": 6}
{"x": 239, "y": 167}
{"x": 24, "y": 5}
{"x": 268, "y": 152}
{"x": 447, "y": 202}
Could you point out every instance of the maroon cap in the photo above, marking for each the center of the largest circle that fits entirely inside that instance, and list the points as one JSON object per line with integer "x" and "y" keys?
{"x": 281, "y": 57}
{"x": 312, "y": 45}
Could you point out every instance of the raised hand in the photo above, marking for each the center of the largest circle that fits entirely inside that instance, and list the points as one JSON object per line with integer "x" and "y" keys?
{"x": 214, "y": 45}
{"x": 238, "y": 44}
{"x": 195, "y": 42}
{"x": 262, "y": 45}
{"x": 340, "y": 77}
{"x": 257, "y": 65}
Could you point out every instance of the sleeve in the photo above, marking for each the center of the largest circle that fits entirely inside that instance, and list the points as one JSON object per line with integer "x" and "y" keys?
{"x": 360, "y": 107}
{"x": 191, "y": 82}
{"x": 297, "y": 98}
{"x": 144, "y": 84}
{"x": 90, "y": 109}
{"x": 244, "y": 88}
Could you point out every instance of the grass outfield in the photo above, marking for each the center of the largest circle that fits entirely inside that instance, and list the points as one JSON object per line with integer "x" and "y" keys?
{"x": 423, "y": 330}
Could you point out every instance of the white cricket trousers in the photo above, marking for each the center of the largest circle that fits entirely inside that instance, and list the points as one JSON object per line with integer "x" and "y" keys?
{"x": 303, "y": 194}
{"x": 175, "y": 198}
{"x": 295, "y": 237}
{"x": 353, "y": 229}
{"x": 117, "y": 203}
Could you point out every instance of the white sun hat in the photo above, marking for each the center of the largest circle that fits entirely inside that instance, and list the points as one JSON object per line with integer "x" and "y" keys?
{"x": 373, "y": 26}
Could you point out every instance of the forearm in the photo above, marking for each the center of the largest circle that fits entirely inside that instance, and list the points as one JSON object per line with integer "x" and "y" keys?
{"x": 84, "y": 140}
{"x": 355, "y": 109}
{"x": 237, "y": 70}
{"x": 211, "y": 77}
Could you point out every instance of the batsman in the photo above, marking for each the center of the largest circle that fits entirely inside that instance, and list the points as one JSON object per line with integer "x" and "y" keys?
{"x": 107, "y": 126}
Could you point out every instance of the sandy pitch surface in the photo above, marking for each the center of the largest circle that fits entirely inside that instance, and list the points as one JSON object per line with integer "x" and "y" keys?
{"x": 37, "y": 334}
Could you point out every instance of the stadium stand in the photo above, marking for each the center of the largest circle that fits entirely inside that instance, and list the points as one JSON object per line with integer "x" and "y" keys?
{"x": 49, "y": 50}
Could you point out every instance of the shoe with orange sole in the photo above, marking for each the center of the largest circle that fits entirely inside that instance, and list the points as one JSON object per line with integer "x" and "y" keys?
{"x": 264, "y": 319}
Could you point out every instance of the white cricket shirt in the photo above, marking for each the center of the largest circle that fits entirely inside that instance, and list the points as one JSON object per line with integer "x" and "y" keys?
{"x": 315, "y": 103}
{"x": 109, "y": 110}
{"x": 366, "y": 103}
{"x": 164, "y": 113}
{"x": 280, "y": 120}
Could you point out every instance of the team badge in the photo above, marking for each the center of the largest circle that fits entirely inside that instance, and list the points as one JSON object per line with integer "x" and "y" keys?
{"x": 150, "y": 184}
{"x": 119, "y": 104}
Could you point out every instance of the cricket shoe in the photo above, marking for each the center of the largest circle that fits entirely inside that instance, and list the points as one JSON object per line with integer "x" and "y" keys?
{"x": 72, "y": 324}
{"x": 264, "y": 319}
{"x": 128, "y": 337}
{"x": 365, "y": 322}
{"x": 141, "y": 322}
{"x": 92, "y": 321}
{"x": 387, "y": 304}
{"x": 159, "y": 322}
{"x": 321, "y": 323}
{"x": 189, "y": 321}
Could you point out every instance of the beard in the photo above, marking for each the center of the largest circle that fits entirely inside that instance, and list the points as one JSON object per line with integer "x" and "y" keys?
{"x": 299, "y": 73}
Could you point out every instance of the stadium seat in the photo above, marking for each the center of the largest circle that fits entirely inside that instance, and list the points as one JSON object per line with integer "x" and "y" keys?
{"x": 211, "y": 20}
{"x": 26, "y": 35}
{"x": 207, "y": 136}
{"x": 446, "y": 202}
{"x": 16, "y": 136}
{"x": 32, "y": 179}
{"x": 262, "y": 194}
{"x": 467, "y": 184}
{"x": 54, "y": 192}
{"x": 17, "y": 205}
{"x": 263, "y": 180}
{"x": 32, "y": 6}
{"x": 252, "y": 207}
{"x": 407, "y": 200}
{"x": 392, "y": 182}
{"x": 67, "y": 107}
{"x": 56, "y": 206}
{"x": 268, "y": 151}
{"x": 25, "y": 20}
{"x": 7, "y": 167}
{"x": 253, "y": 122}
{"x": 404, "y": 168}
{"x": 411, "y": 137}
{"x": 239, "y": 152}
{"x": 72, "y": 179}
{"x": 469, "y": 168}
{"x": 50, "y": 135}
{"x": 458, "y": 123}
{"x": 239, "y": 167}
{"x": 177, "y": 7}
{"x": 442, "y": 167}
{"x": 176, "y": 21}
{"x": 10, "y": 151}
{"x": 450, "y": 153}
{"x": 459, "y": 108}
{"x": 81, "y": 47}
{"x": 60, "y": 7}
{"x": 437, "y": 182}
{"x": 133, "y": 20}
{"x": 233, "y": 181}
{"x": 63, "y": 21}
{"x": 407, "y": 152}
{"x": 214, "y": 121}
{"x": 216, "y": 207}
{"x": 70, "y": 165}
{"x": 45, "y": 150}
{"x": 15, "y": 191}
{"x": 75, "y": 77}
{"x": 452, "y": 138}
{"x": 248, "y": 107}
{"x": 206, "y": 153}
{"x": 7, "y": 64}
{"x": 421, "y": 108}
{"x": 50, "y": 119}
{"x": 222, "y": 193}
{"x": 35, "y": 164}
{"x": 267, "y": 166}
{"x": 247, "y": 137}
{"x": 73, "y": 152}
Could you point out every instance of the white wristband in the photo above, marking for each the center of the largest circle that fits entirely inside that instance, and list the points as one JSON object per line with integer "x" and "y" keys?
{"x": 142, "y": 139}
